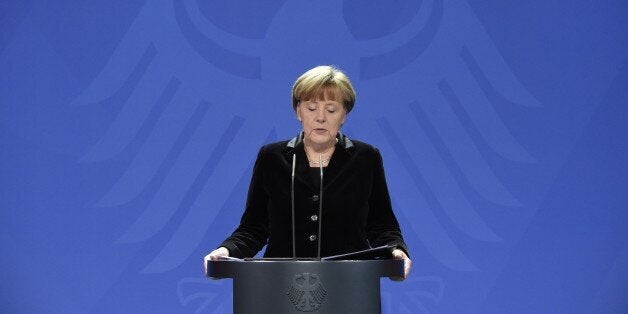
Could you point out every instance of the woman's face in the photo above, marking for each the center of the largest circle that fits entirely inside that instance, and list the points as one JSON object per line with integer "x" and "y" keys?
{"x": 321, "y": 119}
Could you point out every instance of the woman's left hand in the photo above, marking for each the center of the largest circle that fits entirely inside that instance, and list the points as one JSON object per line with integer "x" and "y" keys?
{"x": 407, "y": 263}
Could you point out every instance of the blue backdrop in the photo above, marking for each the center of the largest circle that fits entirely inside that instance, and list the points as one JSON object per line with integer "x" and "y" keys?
{"x": 128, "y": 131}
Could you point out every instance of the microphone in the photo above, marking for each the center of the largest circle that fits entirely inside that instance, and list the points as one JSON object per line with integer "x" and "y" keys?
{"x": 294, "y": 238}
{"x": 320, "y": 206}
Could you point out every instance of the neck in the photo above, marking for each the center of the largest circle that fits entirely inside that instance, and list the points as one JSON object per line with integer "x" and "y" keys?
{"x": 319, "y": 149}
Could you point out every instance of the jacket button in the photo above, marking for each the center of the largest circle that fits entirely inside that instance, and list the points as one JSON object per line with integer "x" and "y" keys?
{"x": 315, "y": 198}
{"x": 314, "y": 218}
{"x": 313, "y": 238}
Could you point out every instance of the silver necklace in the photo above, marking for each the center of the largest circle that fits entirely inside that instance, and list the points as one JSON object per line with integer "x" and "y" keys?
{"x": 318, "y": 162}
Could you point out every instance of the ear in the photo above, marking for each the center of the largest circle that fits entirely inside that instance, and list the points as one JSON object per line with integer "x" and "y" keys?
{"x": 299, "y": 112}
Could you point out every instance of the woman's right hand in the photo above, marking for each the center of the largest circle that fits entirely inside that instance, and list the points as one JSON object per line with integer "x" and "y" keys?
{"x": 214, "y": 255}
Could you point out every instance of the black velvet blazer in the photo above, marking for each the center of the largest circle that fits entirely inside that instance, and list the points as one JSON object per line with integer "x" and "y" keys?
{"x": 357, "y": 212}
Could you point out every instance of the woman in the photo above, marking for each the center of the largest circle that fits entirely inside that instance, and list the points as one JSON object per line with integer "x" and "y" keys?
{"x": 355, "y": 203}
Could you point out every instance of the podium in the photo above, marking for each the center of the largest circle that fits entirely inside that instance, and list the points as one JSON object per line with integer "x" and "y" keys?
{"x": 305, "y": 286}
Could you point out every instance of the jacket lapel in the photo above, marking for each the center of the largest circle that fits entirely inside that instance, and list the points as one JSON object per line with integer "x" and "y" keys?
{"x": 337, "y": 165}
{"x": 295, "y": 147}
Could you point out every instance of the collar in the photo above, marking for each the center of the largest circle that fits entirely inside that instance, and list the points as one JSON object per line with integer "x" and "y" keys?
{"x": 343, "y": 140}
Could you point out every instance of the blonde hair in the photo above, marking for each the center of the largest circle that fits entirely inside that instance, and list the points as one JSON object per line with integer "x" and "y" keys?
{"x": 323, "y": 82}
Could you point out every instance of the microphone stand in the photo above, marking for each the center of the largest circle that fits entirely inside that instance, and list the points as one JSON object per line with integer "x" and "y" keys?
{"x": 320, "y": 206}
{"x": 294, "y": 238}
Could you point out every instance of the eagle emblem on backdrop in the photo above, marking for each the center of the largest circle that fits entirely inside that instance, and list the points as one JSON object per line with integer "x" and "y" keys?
{"x": 194, "y": 92}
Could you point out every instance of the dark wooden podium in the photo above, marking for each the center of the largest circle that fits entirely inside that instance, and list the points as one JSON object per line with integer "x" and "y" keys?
{"x": 305, "y": 286}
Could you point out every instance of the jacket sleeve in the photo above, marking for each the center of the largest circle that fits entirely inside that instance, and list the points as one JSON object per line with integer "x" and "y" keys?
{"x": 382, "y": 226}
{"x": 252, "y": 233}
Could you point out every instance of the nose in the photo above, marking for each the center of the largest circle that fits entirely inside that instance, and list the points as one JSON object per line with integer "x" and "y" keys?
{"x": 320, "y": 115}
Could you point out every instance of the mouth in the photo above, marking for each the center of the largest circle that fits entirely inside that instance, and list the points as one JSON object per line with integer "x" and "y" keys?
{"x": 320, "y": 130}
